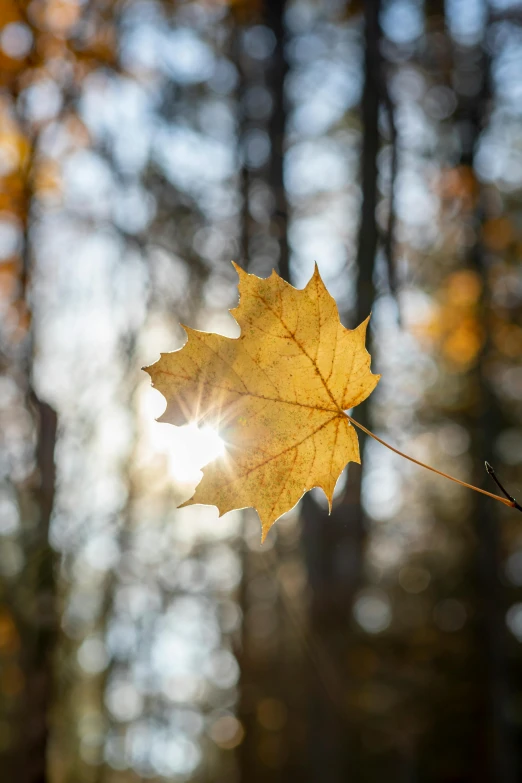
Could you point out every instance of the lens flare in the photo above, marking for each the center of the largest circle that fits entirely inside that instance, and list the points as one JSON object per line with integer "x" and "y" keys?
{"x": 188, "y": 448}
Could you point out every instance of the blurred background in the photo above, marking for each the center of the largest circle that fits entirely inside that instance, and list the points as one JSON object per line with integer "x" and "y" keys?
{"x": 143, "y": 145}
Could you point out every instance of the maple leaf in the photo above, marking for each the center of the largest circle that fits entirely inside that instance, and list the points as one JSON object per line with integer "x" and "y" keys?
{"x": 277, "y": 395}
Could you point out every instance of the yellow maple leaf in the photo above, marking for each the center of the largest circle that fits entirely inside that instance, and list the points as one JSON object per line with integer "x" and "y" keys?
{"x": 277, "y": 394}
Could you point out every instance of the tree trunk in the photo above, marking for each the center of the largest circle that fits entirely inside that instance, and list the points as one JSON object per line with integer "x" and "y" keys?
{"x": 333, "y": 544}
{"x": 484, "y": 422}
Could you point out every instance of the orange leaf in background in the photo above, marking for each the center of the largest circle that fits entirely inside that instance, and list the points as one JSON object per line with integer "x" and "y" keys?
{"x": 277, "y": 394}
{"x": 61, "y": 15}
{"x": 459, "y": 183}
{"x": 47, "y": 179}
{"x": 453, "y": 324}
{"x": 498, "y": 233}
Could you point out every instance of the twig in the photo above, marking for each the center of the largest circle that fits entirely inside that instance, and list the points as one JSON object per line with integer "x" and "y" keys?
{"x": 507, "y": 501}
{"x": 493, "y": 475}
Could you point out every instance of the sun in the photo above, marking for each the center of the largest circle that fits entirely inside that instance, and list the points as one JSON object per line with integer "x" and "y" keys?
{"x": 191, "y": 449}
{"x": 187, "y": 449}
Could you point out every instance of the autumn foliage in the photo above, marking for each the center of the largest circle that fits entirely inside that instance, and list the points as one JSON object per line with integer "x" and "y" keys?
{"x": 278, "y": 395}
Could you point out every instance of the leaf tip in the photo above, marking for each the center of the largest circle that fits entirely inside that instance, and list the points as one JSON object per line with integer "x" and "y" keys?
{"x": 239, "y": 269}
{"x": 266, "y": 524}
{"x": 164, "y": 418}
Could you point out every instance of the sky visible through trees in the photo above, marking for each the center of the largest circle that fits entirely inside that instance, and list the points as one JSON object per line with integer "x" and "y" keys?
{"x": 144, "y": 144}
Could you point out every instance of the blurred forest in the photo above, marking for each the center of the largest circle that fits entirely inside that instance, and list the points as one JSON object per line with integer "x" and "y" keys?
{"x": 143, "y": 145}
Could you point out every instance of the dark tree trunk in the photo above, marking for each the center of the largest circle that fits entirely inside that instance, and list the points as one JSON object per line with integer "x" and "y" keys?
{"x": 278, "y": 69}
{"x": 34, "y": 598}
{"x": 41, "y": 631}
{"x": 484, "y": 422}
{"x": 333, "y": 545}
{"x": 270, "y": 674}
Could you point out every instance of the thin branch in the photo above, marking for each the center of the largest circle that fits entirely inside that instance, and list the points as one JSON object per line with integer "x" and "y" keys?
{"x": 507, "y": 502}
{"x": 493, "y": 475}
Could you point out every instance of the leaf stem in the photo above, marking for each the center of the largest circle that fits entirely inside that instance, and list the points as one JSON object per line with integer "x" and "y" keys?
{"x": 505, "y": 501}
